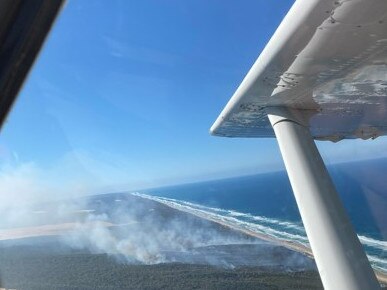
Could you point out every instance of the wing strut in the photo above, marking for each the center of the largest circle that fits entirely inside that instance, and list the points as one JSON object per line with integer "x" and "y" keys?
{"x": 339, "y": 256}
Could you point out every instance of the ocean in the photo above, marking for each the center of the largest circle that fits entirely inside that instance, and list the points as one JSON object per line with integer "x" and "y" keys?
{"x": 264, "y": 203}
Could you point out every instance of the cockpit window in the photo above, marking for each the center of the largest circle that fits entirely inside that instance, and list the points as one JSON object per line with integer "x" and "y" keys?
{"x": 109, "y": 177}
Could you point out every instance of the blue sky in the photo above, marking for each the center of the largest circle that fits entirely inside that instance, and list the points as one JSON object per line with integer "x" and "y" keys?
{"x": 124, "y": 93}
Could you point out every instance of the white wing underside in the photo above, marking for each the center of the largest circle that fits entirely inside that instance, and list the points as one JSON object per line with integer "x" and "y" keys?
{"x": 328, "y": 61}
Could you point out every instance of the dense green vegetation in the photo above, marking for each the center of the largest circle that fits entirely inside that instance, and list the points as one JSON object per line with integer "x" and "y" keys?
{"x": 91, "y": 271}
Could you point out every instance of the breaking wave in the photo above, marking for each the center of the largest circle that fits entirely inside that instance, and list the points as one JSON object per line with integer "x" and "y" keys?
{"x": 274, "y": 228}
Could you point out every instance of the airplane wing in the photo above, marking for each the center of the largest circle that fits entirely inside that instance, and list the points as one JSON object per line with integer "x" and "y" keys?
{"x": 323, "y": 75}
{"x": 327, "y": 59}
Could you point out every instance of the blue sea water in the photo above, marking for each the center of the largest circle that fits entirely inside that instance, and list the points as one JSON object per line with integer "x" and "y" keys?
{"x": 265, "y": 203}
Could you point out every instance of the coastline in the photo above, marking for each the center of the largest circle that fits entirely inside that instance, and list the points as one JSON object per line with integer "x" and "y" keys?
{"x": 294, "y": 246}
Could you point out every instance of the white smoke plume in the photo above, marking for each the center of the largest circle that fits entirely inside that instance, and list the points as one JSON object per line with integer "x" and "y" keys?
{"x": 31, "y": 205}
{"x": 139, "y": 230}
{"x": 131, "y": 228}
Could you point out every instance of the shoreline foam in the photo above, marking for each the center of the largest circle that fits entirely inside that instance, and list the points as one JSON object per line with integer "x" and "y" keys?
{"x": 298, "y": 247}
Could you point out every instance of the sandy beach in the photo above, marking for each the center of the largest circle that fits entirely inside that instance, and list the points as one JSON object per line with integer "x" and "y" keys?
{"x": 47, "y": 230}
{"x": 382, "y": 277}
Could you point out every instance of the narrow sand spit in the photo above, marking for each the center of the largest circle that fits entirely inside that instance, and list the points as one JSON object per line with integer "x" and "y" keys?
{"x": 382, "y": 276}
{"x": 47, "y": 230}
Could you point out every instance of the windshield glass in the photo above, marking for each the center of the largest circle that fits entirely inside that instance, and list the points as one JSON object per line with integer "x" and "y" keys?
{"x": 109, "y": 177}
